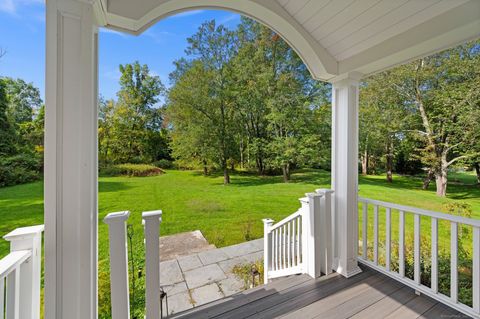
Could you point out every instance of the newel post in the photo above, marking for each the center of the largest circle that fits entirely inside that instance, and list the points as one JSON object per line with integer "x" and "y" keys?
{"x": 311, "y": 234}
{"x": 117, "y": 235}
{"x": 28, "y": 238}
{"x": 152, "y": 263}
{"x": 326, "y": 230}
{"x": 267, "y": 248}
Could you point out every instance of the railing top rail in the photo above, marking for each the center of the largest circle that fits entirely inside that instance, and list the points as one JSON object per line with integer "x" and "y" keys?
{"x": 424, "y": 212}
{"x": 286, "y": 219}
{"x": 12, "y": 260}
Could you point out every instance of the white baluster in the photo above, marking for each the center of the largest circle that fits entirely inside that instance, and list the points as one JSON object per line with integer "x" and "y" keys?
{"x": 284, "y": 246}
{"x": 152, "y": 263}
{"x": 13, "y": 294}
{"x": 2, "y": 297}
{"x": 434, "y": 254}
{"x": 289, "y": 247}
{"x": 29, "y": 238}
{"x": 388, "y": 237}
{"x": 267, "y": 248}
{"x": 294, "y": 242}
{"x": 476, "y": 269}
{"x": 364, "y": 230}
{"x": 401, "y": 244}
{"x": 453, "y": 261}
{"x": 299, "y": 234}
{"x": 375, "y": 234}
{"x": 277, "y": 249}
{"x": 117, "y": 236}
{"x": 416, "y": 248}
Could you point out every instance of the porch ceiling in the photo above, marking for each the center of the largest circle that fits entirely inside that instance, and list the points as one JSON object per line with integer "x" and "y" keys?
{"x": 334, "y": 38}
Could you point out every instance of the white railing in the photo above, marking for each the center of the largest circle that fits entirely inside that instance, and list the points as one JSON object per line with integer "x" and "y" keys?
{"x": 120, "y": 303}
{"x": 20, "y": 273}
{"x": 301, "y": 242}
{"x": 435, "y": 217}
{"x": 152, "y": 263}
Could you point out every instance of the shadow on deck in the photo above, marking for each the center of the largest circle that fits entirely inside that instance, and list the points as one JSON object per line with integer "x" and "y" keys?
{"x": 367, "y": 295}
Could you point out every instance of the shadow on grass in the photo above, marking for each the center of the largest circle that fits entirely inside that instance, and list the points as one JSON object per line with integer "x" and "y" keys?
{"x": 108, "y": 187}
{"x": 250, "y": 178}
{"x": 454, "y": 190}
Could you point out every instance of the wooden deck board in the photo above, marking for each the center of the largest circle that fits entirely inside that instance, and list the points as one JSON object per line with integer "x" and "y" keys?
{"x": 369, "y": 295}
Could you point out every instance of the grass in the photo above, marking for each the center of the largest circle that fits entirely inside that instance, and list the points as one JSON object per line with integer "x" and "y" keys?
{"x": 226, "y": 215}
{"x": 190, "y": 201}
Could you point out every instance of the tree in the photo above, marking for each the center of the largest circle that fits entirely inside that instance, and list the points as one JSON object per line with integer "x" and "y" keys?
{"x": 130, "y": 129}
{"x": 23, "y": 100}
{"x": 442, "y": 92}
{"x": 7, "y": 131}
{"x": 382, "y": 121}
{"x": 209, "y": 80}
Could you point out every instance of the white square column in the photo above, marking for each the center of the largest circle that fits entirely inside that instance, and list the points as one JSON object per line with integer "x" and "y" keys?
{"x": 71, "y": 160}
{"x": 345, "y": 174}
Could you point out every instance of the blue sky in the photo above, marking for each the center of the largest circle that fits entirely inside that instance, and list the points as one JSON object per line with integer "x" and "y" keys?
{"x": 22, "y": 36}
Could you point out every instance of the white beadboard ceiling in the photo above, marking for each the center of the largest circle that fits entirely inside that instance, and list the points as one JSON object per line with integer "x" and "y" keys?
{"x": 334, "y": 37}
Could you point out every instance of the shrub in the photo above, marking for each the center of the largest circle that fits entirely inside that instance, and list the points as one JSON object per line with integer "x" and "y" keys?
{"x": 164, "y": 163}
{"x": 132, "y": 170}
{"x": 19, "y": 169}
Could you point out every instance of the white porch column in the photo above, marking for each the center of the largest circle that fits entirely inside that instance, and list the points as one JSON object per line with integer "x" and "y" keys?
{"x": 71, "y": 161}
{"x": 345, "y": 173}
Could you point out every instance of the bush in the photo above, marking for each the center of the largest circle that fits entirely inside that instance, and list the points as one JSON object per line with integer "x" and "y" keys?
{"x": 19, "y": 169}
{"x": 164, "y": 163}
{"x": 132, "y": 170}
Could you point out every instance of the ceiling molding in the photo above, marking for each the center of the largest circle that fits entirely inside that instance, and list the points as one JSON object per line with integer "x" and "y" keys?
{"x": 321, "y": 64}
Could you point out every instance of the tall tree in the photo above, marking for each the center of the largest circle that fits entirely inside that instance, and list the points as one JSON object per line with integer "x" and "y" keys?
{"x": 442, "y": 91}
{"x": 210, "y": 50}
{"x": 135, "y": 118}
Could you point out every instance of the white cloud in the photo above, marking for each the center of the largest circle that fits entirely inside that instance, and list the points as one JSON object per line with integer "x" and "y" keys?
{"x": 187, "y": 13}
{"x": 8, "y": 6}
{"x": 157, "y": 36}
{"x": 11, "y": 6}
{"x": 112, "y": 75}
{"x": 229, "y": 18}
{"x": 105, "y": 30}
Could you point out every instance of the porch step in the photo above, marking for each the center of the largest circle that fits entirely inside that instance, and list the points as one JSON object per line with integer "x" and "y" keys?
{"x": 183, "y": 244}
{"x": 228, "y": 305}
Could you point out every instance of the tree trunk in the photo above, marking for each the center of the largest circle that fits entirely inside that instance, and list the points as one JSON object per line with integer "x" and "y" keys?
{"x": 428, "y": 179}
{"x": 286, "y": 173}
{"x": 389, "y": 163}
{"x": 441, "y": 177}
{"x": 205, "y": 168}
{"x": 226, "y": 177}
{"x": 441, "y": 182}
{"x": 477, "y": 169}
{"x": 365, "y": 163}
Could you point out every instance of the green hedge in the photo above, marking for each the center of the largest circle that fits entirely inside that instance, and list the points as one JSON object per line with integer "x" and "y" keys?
{"x": 137, "y": 170}
{"x": 19, "y": 169}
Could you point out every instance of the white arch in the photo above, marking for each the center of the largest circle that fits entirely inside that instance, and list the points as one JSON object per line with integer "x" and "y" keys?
{"x": 320, "y": 63}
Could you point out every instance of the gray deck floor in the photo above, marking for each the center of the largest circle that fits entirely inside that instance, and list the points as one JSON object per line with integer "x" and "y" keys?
{"x": 367, "y": 295}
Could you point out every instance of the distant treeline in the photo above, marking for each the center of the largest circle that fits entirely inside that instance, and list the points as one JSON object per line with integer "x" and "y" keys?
{"x": 243, "y": 99}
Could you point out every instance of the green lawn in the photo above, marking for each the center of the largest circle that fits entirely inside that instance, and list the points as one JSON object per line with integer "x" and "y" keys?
{"x": 225, "y": 214}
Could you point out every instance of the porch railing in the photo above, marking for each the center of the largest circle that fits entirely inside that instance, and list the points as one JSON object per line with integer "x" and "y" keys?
{"x": 301, "y": 242}
{"x": 117, "y": 232}
{"x": 20, "y": 274}
{"x": 453, "y": 222}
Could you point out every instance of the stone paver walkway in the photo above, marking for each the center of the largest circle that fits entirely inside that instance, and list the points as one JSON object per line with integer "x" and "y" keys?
{"x": 206, "y": 276}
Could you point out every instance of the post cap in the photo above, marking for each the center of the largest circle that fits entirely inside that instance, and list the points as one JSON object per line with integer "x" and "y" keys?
{"x": 116, "y": 217}
{"x": 267, "y": 221}
{"x": 324, "y": 190}
{"x": 152, "y": 214}
{"x": 24, "y": 232}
